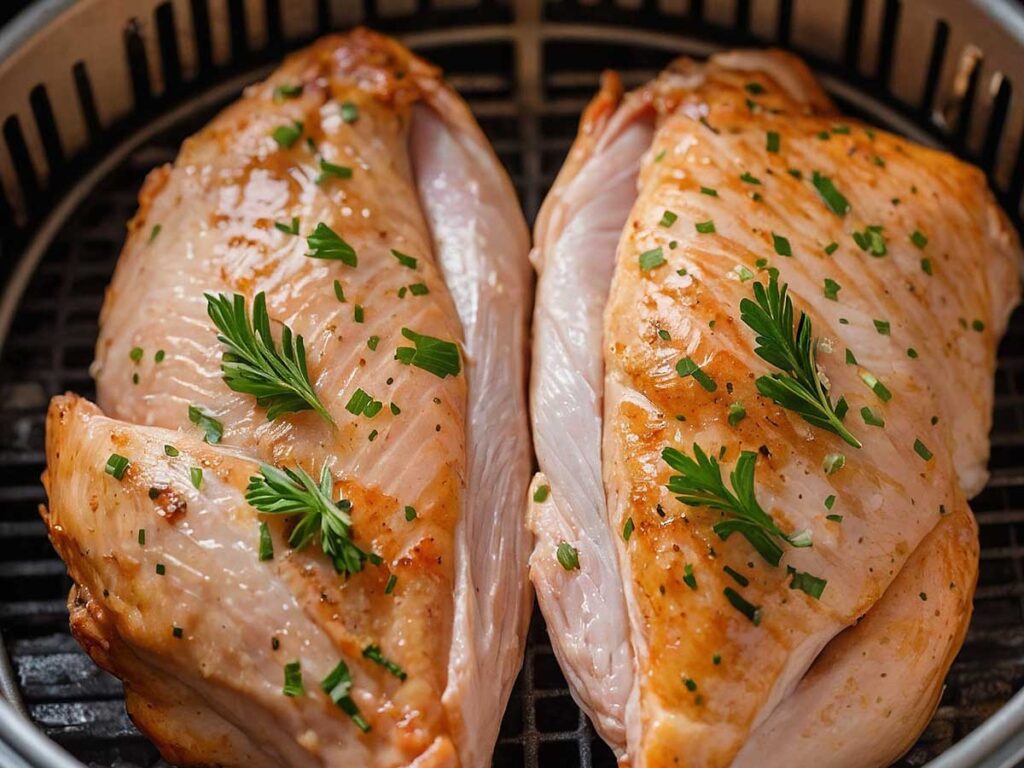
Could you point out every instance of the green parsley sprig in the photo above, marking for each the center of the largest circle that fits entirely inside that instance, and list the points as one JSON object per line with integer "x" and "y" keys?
{"x": 253, "y": 364}
{"x": 792, "y": 349}
{"x": 699, "y": 484}
{"x": 293, "y": 492}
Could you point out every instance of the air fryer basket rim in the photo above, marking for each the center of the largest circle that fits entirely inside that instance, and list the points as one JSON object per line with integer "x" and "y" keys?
{"x": 996, "y": 743}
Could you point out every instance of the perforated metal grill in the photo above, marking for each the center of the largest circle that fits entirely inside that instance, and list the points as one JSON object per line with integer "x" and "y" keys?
{"x": 527, "y": 71}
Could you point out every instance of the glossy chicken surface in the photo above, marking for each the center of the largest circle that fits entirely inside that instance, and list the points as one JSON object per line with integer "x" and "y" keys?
{"x": 725, "y": 629}
{"x": 173, "y": 591}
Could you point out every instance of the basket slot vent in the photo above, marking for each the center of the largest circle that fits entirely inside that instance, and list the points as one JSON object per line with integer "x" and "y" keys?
{"x": 138, "y": 64}
{"x": 22, "y": 162}
{"x": 86, "y": 100}
{"x": 995, "y": 128}
{"x": 42, "y": 111}
{"x": 962, "y": 100}
{"x": 887, "y": 41}
{"x": 201, "y": 30}
{"x": 854, "y": 33}
{"x": 940, "y": 41}
{"x": 238, "y": 23}
{"x": 167, "y": 39}
{"x": 784, "y": 25}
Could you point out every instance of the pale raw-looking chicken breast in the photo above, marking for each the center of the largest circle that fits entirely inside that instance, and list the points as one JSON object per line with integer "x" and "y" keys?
{"x": 753, "y": 544}
{"x": 354, "y": 194}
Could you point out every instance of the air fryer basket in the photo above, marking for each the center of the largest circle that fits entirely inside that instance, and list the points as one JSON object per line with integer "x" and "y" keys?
{"x": 96, "y": 92}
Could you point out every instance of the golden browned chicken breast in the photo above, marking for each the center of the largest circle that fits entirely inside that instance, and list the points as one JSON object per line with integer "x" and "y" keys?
{"x": 295, "y": 520}
{"x": 762, "y": 390}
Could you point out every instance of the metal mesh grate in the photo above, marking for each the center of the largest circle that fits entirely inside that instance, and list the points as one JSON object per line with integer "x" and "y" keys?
{"x": 50, "y": 345}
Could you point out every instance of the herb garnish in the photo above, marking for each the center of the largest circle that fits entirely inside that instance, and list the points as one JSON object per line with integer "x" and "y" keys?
{"x": 254, "y": 365}
{"x": 403, "y": 259}
{"x": 293, "y": 679}
{"x": 325, "y": 243}
{"x": 338, "y": 685}
{"x": 700, "y": 484}
{"x": 286, "y": 135}
{"x": 651, "y": 259}
{"x": 705, "y": 227}
{"x": 433, "y": 355}
{"x": 833, "y": 198}
{"x": 752, "y": 612}
{"x": 568, "y": 556}
{"x": 805, "y": 582}
{"x": 372, "y": 652}
{"x": 212, "y": 428}
{"x": 266, "y": 543}
{"x": 794, "y": 351}
{"x": 668, "y": 218}
{"x": 330, "y": 169}
{"x": 293, "y": 492}
{"x": 116, "y": 466}
{"x": 687, "y": 367}
{"x": 287, "y": 91}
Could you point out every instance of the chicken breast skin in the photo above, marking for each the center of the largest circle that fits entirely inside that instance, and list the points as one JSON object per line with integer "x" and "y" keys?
{"x": 730, "y": 188}
{"x": 354, "y": 134}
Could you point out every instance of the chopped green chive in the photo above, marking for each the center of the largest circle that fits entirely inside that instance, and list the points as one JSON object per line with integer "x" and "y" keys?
{"x": 850, "y": 358}
{"x": 882, "y": 326}
{"x": 288, "y": 229}
{"x": 664, "y": 335}
{"x": 752, "y": 612}
{"x": 772, "y": 141}
{"x": 338, "y": 686}
{"x": 154, "y": 232}
{"x": 349, "y": 112}
{"x": 978, "y": 325}
{"x": 668, "y": 218}
{"x": 286, "y": 135}
{"x": 358, "y": 315}
{"x": 404, "y": 260}
{"x": 830, "y": 501}
{"x": 266, "y": 543}
{"x": 737, "y": 413}
{"x": 116, "y": 466}
{"x": 709, "y": 191}
{"x": 372, "y": 343}
{"x": 330, "y": 169}
{"x": 136, "y": 354}
{"x": 178, "y": 632}
{"x": 651, "y": 259}
{"x": 171, "y": 451}
{"x": 390, "y": 586}
{"x": 705, "y": 227}
{"x": 834, "y": 518}
{"x": 372, "y": 652}
{"x": 568, "y": 556}
{"x": 142, "y": 537}
{"x": 747, "y": 177}
{"x": 161, "y": 569}
{"x": 833, "y": 198}
{"x": 754, "y": 88}
{"x": 293, "y": 680}
{"x": 922, "y": 450}
{"x": 805, "y": 582}
{"x": 688, "y": 578}
{"x": 926, "y": 266}
{"x": 833, "y": 463}
{"x": 159, "y": 356}
{"x": 627, "y": 529}
{"x": 831, "y": 248}
{"x": 195, "y": 474}
{"x": 736, "y": 576}
{"x": 911, "y": 353}
{"x": 871, "y": 418}
{"x": 287, "y": 91}
{"x": 876, "y": 386}
{"x": 541, "y": 494}
{"x": 918, "y": 238}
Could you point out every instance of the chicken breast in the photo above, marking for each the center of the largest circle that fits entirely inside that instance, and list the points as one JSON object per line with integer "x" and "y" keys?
{"x": 345, "y": 229}
{"x": 792, "y": 380}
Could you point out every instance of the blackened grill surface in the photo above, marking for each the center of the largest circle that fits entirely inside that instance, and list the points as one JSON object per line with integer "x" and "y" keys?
{"x": 49, "y": 349}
